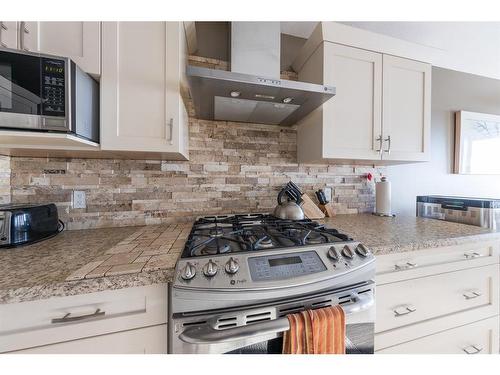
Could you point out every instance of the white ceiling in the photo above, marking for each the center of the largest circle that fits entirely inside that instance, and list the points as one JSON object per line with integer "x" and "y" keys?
{"x": 301, "y": 29}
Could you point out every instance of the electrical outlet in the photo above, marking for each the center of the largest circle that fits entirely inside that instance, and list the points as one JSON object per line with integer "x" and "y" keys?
{"x": 79, "y": 199}
{"x": 328, "y": 194}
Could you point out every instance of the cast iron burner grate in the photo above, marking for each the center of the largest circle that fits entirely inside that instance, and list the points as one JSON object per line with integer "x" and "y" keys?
{"x": 213, "y": 235}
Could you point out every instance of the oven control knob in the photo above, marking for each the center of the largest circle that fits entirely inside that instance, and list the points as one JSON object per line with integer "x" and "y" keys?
{"x": 347, "y": 252}
{"x": 362, "y": 250}
{"x": 333, "y": 254}
{"x": 232, "y": 266}
{"x": 210, "y": 269}
{"x": 188, "y": 272}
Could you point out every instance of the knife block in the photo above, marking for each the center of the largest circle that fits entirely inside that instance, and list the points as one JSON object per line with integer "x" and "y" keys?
{"x": 327, "y": 209}
{"x": 311, "y": 211}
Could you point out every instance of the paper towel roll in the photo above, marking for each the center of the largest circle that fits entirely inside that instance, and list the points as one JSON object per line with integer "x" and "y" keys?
{"x": 383, "y": 197}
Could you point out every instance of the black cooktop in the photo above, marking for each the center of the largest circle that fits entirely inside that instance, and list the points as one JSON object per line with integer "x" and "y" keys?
{"x": 213, "y": 235}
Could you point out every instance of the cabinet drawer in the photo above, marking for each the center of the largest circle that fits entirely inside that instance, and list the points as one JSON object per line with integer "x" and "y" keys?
{"x": 150, "y": 340}
{"x": 37, "y": 323}
{"x": 396, "y": 267}
{"x": 475, "y": 338}
{"x": 411, "y": 301}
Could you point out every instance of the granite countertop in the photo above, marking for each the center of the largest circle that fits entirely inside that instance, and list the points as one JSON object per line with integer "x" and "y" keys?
{"x": 86, "y": 261}
{"x": 386, "y": 235}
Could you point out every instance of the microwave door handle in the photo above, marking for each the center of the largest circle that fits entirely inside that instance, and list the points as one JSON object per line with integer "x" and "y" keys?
{"x": 206, "y": 334}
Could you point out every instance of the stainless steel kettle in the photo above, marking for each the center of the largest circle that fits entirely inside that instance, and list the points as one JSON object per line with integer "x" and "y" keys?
{"x": 288, "y": 210}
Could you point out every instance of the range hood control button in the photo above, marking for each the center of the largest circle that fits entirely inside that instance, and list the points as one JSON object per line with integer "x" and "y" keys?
{"x": 188, "y": 272}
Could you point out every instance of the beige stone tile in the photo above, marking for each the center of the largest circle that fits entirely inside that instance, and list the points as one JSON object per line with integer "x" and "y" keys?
{"x": 124, "y": 269}
{"x": 80, "y": 273}
{"x": 149, "y": 252}
{"x": 142, "y": 259}
{"x": 118, "y": 249}
{"x": 97, "y": 272}
{"x": 124, "y": 258}
{"x": 158, "y": 262}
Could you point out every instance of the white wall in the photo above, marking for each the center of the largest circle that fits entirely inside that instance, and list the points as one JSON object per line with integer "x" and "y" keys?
{"x": 451, "y": 91}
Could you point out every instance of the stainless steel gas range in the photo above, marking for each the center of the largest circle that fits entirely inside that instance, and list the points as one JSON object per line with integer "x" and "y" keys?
{"x": 240, "y": 275}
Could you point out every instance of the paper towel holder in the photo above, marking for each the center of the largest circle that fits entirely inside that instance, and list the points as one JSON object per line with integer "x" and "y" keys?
{"x": 381, "y": 214}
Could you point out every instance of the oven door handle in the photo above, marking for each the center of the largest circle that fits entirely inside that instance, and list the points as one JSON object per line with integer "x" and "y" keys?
{"x": 206, "y": 334}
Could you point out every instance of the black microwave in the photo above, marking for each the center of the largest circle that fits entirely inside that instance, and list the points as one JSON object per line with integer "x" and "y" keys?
{"x": 47, "y": 93}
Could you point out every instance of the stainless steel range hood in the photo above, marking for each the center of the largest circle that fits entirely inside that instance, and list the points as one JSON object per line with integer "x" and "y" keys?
{"x": 253, "y": 91}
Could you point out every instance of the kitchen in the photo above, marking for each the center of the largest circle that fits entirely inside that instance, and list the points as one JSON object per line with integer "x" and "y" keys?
{"x": 153, "y": 166}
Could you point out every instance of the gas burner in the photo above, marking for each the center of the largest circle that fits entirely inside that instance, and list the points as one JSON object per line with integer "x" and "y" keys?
{"x": 264, "y": 243}
{"x": 211, "y": 248}
{"x": 214, "y": 235}
{"x": 216, "y": 232}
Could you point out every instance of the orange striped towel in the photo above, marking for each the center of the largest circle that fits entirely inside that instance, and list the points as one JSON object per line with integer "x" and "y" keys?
{"x": 319, "y": 331}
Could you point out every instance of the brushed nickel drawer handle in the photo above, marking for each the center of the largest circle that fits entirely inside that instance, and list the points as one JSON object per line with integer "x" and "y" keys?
{"x": 404, "y": 310}
{"x": 405, "y": 266}
{"x": 388, "y": 139}
{"x": 68, "y": 318}
{"x": 473, "y": 349}
{"x": 472, "y": 255}
{"x": 472, "y": 295}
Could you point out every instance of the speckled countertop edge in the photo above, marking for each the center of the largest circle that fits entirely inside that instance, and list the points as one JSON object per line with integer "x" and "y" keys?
{"x": 73, "y": 288}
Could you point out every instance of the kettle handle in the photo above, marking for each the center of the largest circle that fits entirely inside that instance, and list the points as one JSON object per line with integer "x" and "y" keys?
{"x": 280, "y": 195}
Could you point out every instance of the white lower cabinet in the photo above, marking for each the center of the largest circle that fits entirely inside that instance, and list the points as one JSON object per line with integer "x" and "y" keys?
{"x": 475, "y": 338}
{"x": 150, "y": 340}
{"x": 115, "y": 321}
{"x": 442, "y": 300}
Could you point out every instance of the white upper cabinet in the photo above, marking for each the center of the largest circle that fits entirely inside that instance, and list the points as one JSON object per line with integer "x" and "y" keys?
{"x": 350, "y": 122}
{"x": 143, "y": 65}
{"x": 380, "y": 113}
{"x": 19, "y": 35}
{"x": 406, "y": 109}
{"x": 8, "y": 34}
{"x": 81, "y": 41}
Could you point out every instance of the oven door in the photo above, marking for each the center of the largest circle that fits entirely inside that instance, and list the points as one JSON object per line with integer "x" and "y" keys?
{"x": 259, "y": 330}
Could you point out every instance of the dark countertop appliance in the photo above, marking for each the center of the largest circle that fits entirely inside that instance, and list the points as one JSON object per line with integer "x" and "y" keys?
{"x": 22, "y": 224}
{"x": 482, "y": 212}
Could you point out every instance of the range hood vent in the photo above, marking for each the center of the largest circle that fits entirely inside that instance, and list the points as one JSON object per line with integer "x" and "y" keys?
{"x": 253, "y": 91}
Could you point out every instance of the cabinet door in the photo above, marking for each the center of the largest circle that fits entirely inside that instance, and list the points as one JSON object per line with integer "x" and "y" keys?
{"x": 406, "y": 109}
{"x": 475, "y": 338}
{"x": 150, "y": 340}
{"x": 28, "y": 36}
{"x": 142, "y": 109}
{"x": 8, "y": 34}
{"x": 352, "y": 119}
{"x": 81, "y": 41}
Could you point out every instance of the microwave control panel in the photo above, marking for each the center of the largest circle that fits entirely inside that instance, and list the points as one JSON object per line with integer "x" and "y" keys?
{"x": 53, "y": 87}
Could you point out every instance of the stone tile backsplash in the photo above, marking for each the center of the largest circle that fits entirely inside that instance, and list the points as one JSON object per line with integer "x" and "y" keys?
{"x": 233, "y": 168}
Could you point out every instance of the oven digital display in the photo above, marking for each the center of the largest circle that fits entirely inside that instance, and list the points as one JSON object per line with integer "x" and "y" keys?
{"x": 284, "y": 266}
{"x": 284, "y": 261}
